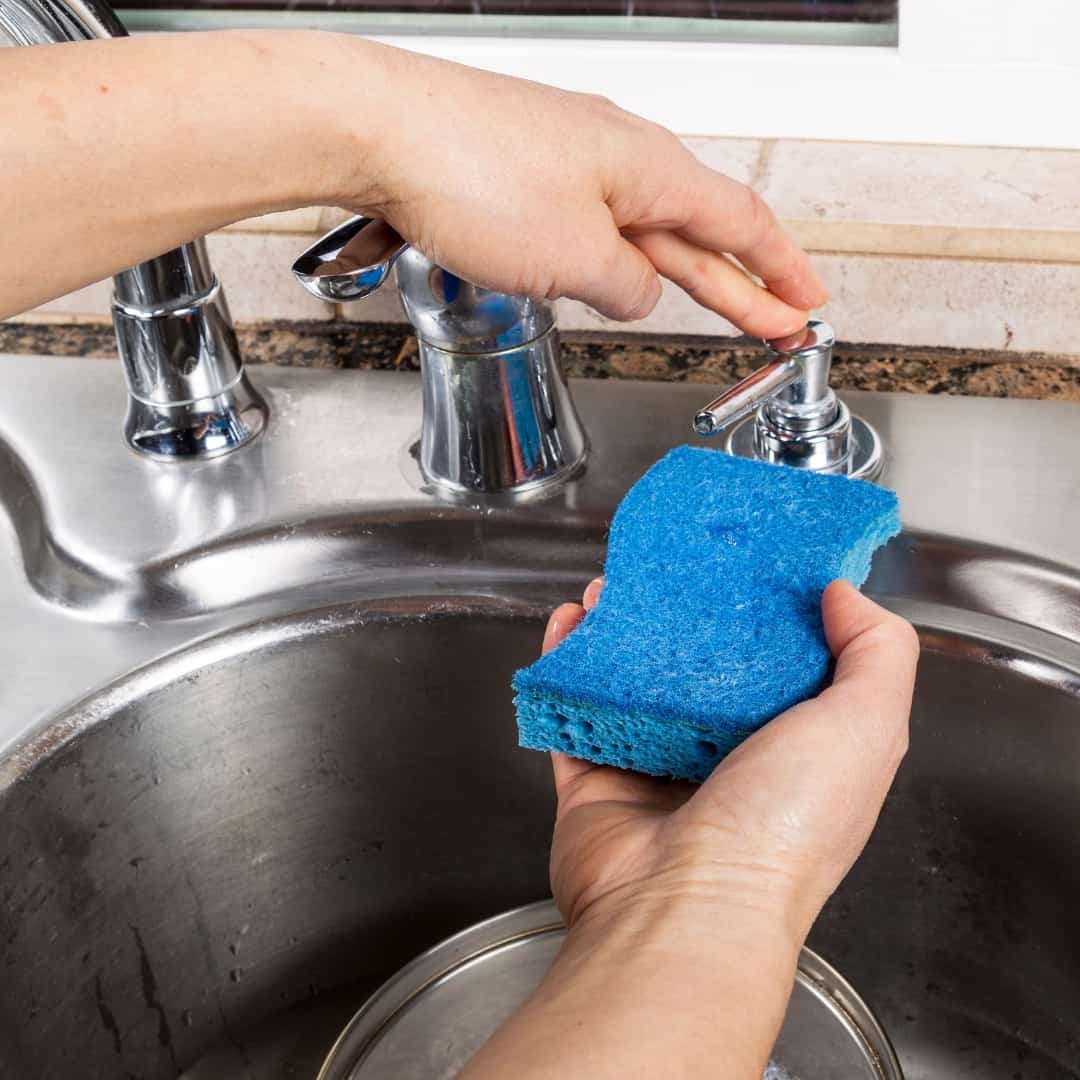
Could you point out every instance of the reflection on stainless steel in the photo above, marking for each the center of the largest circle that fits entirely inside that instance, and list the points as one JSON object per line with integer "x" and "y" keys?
{"x": 349, "y": 262}
{"x": 302, "y": 805}
{"x": 800, "y": 421}
{"x": 498, "y": 419}
{"x": 298, "y": 767}
{"x": 188, "y": 396}
{"x": 41, "y": 22}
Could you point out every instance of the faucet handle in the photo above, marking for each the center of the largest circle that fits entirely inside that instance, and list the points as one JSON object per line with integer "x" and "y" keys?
{"x": 356, "y": 258}
{"x": 799, "y": 420}
{"x": 498, "y": 417}
{"x": 351, "y": 261}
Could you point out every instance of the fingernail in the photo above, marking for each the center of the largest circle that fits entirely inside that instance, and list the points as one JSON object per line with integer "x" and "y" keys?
{"x": 792, "y": 338}
{"x": 592, "y": 592}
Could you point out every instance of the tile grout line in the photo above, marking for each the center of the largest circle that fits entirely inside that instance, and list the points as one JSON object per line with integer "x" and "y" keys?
{"x": 759, "y": 177}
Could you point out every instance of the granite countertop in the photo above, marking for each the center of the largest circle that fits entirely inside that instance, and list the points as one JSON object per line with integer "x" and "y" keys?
{"x": 391, "y": 346}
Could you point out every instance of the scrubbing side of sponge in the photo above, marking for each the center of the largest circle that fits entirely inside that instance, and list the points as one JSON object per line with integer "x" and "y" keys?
{"x": 709, "y": 623}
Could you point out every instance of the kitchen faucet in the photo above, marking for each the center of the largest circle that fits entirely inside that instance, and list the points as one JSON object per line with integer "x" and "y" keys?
{"x": 498, "y": 419}
{"x": 498, "y": 416}
{"x": 188, "y": 395}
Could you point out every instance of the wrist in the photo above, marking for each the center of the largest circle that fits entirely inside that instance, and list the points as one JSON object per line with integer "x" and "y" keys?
{"x": 688, "y": 920}
{"x": 354, "y": 81}
{"x": 681, "y": 984}
{"x": 306, "y": 130}
{"x": 702, "y": 884}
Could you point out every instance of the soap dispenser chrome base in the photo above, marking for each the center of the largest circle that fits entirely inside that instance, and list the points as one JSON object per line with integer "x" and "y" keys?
{"x": 862, "y": 457}
{"x": 798, "y": 420}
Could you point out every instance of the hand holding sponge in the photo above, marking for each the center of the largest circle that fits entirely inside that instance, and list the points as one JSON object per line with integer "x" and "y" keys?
{"x": 710, "y": 621}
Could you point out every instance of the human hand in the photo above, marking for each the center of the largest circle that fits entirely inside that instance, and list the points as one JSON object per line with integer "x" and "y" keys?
{"x": 778, "y": 823}
{"x": 687, "y": 906}
{"x": 533, "y": 190}
{"x": 513, "y": 185}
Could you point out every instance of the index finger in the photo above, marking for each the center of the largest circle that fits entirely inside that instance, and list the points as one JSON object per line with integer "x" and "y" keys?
{"x": 863, "y": 714}
{"x": 726, "y": 216}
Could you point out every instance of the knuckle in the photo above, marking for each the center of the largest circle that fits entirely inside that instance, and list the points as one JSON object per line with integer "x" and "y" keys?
{"x": 892, "y": 632}
{"x": 756, "y": 215}
{"x": 665, "y": 139}
{"x": 644, "y": 295}
{"x": 898, "y": 746}
{"x": 903, "y": 741}
{"x": 904, "y": 633}
{"x": 600, "y": 101}
{"x": 611, "y": 256}
{"x": 697, "y": 277}
{"x": 744, "y": 315}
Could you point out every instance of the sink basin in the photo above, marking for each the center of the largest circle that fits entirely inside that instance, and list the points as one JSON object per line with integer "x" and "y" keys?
{"x": 289, "y": 809}
{"x": 267, "y": 806}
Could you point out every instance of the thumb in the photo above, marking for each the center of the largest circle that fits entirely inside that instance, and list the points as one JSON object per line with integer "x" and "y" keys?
{"x": 835, "y": 755}
{"x": 876, "y": 656}
{"x": 614, "y": 276}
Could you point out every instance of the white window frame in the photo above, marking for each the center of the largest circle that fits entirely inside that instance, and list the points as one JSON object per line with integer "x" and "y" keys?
{"x": 965, "y": 72}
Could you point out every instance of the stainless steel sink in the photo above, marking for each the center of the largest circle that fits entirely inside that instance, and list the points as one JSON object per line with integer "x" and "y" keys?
{"x": 259, "y": 748}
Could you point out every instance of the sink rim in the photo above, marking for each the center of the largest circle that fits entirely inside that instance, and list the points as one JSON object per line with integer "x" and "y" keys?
{"x": 1045, "y": 654}
{"x": 333, "y": 452}
{"x": 186, "y": 661}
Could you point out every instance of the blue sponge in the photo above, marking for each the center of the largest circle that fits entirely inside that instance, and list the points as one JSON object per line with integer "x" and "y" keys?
{"x": 709, "y": 623}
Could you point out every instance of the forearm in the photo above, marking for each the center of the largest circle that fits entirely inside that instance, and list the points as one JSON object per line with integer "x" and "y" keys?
{"x": 679, "y": 991}
{"x": 115, "y": 151}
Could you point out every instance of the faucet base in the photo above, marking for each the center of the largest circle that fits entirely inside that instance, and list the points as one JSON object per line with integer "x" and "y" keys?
{"x": 204, "y": 428}
{"x": 500, "y": 423}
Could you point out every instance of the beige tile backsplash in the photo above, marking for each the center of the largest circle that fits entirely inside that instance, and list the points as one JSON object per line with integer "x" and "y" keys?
{"x": 945, "y": 303}
{"x": 1023, "y": 306}
{"x": 933, "y": 246}
{"x": 93, "y": 300}
{"x": 965, "y": 187}
{"x": 307, "y": 219}
{"x": 254, "y": 268}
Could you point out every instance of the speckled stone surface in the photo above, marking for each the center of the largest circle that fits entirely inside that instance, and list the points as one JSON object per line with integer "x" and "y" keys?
{"x": 389, "y": 346}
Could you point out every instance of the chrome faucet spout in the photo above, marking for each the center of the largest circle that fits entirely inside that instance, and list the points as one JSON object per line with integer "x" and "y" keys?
{"x": 188, "y": 395}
